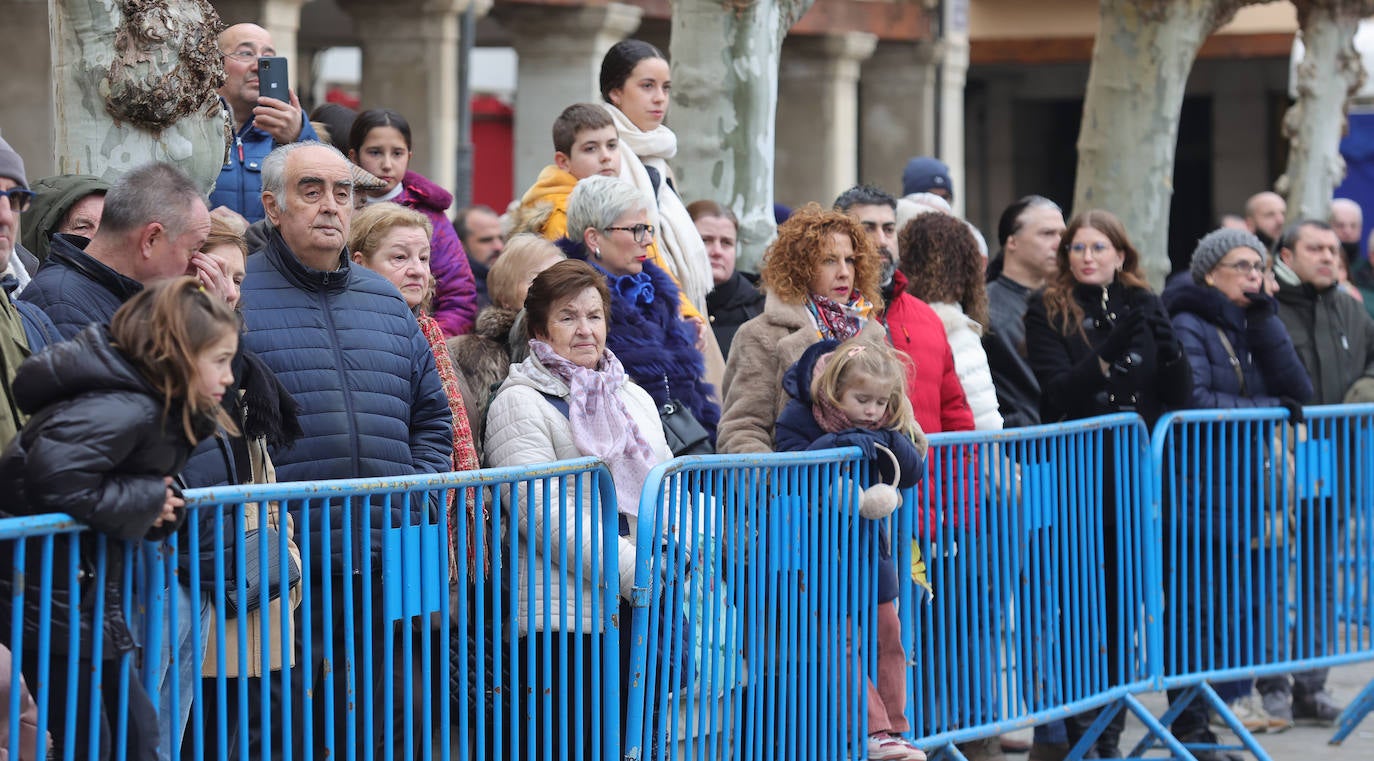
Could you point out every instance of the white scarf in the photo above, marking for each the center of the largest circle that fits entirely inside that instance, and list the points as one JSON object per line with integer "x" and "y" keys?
{"x": 678, "y": 239}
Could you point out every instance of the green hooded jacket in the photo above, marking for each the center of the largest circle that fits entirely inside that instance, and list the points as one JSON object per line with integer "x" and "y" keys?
{"x": 53, "y": 196}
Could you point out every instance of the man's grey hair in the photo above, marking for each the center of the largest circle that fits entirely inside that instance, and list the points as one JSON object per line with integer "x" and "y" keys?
{"x": 157, "y": 192}
{"x": 274, "y": 166}
{"x": 1346, "y": 204}
{"x": 598, "y": 201}
{"x": 865, "y": 195}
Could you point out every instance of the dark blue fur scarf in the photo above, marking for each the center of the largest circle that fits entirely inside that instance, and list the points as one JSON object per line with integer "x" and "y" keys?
{"x": 653, "y": 340}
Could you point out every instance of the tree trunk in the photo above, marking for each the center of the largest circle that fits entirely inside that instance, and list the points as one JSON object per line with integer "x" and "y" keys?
{"x": 135, "y": 82}
{"x": 1141, "y": 59}
{"x": 725, "y": 95}
{"x": 1330, "y": 72}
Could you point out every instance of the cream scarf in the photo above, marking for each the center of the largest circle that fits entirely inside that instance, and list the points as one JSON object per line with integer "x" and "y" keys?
{"x": 678, "y": 240}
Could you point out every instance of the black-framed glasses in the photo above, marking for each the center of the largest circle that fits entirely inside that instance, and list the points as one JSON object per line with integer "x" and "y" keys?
{"x": 19, "y": 198}
{"x": 643, "y": 233}
{"x": 1243, "y": 268}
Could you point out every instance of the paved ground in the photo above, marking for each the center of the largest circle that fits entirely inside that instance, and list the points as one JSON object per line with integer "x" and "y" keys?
{"x": 1300, "y": 743}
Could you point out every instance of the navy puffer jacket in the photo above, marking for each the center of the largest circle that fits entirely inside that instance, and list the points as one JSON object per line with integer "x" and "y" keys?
{"x": 1268, "y": 362}
{"x": 350, "y": 352}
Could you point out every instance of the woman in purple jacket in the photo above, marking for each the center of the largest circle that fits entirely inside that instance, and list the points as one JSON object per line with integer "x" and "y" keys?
{"x": 380, "y": 143}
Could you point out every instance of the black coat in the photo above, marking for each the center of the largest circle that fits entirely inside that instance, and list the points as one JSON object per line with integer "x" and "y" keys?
{"x": 730, "y": 305}
{"x": 1072, "y": 383}
{"x": 97, "y": 447}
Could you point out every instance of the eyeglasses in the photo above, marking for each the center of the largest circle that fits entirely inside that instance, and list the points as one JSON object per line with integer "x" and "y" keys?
{"x": 1099, "y": 248}
{"x": 19, "y": 198}
{"x": 643, "y": 233}
{"x": 1244, "y": 267}
{"x": 243, "y": 56}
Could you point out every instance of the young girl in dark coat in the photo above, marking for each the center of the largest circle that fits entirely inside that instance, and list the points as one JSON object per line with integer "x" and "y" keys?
{"x": 854, "y": 394}
{"x": 114, "y": 414}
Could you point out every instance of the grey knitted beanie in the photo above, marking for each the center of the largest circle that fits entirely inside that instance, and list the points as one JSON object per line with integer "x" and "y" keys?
{"x": 11, "y": 165}
{"x": 1214, "y": 246}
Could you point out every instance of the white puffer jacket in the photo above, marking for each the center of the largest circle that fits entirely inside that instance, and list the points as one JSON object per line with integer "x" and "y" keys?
{"x": 971, "y": 363}
{"x": 524, "y": 428}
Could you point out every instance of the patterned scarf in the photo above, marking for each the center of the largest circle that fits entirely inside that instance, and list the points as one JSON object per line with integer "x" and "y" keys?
{"x": 837, "y": 321}
{"x": 601, "y": 425}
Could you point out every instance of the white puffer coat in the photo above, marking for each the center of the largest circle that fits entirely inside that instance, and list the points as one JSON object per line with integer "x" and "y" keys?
{"x": 971, "y": 363}
{"x": 524, "y": 428}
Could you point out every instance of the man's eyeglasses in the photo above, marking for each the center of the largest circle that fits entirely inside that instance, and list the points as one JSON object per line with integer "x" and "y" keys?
{"x": 242, "y": 56}
{"x": 643, "y": 233}
{"x": 19, "y": 198}
{"x": 1244, "y": 268}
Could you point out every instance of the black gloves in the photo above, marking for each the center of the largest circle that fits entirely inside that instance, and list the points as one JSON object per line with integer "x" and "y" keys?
{"x": 1261, "y": 305}
{"x": 1167, "y": 347}
{"x": 1119, "y": 340}
{"x": 1294, "y": 408}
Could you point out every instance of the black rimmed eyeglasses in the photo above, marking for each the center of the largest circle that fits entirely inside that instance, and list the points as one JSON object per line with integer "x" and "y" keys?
{"x": 643, "y": 233}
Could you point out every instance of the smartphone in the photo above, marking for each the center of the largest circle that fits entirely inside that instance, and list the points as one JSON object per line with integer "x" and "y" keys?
{"x": 273, "y": 81}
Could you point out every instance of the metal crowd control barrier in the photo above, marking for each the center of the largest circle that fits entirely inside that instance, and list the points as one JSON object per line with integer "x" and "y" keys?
{"x": 1036, "y": 543}
{"x": 365, "y": 666}
{"x": 1268, "y": 559}
{"x": 752, "y": 588}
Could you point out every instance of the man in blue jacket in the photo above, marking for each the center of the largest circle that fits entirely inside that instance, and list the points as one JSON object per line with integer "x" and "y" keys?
{"x": 260, "y": 123}
{"x": 343, "y": 342}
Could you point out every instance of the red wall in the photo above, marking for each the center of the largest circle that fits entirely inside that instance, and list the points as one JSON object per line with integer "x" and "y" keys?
{"x": 493, "y": 161}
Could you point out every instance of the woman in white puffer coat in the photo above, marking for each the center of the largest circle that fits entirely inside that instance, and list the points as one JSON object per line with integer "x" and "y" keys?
{"x": 944, "y": 268}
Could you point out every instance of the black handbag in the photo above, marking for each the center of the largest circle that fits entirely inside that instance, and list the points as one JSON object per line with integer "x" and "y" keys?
{"x": 253, "y": 576}
{"x": 684, "y": 433}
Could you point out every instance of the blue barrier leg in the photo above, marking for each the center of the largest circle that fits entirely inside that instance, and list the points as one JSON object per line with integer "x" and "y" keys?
{"x": 1153, "y": 728}
{"x": 946, "y": 752}
{"x": 1224, "y": 711}
{"x": 1089, "y": 738}
{"x": 1353, "y": 714}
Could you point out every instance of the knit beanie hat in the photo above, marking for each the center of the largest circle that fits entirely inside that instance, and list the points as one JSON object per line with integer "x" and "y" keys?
{"x": 1215, "y": 245}
{"x": 11, "y": 165}
{"x": 924, "y": 173}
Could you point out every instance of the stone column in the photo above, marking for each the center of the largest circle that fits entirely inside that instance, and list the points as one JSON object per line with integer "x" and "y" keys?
{"x": 818, "y": 116}
{"x": 27, "y": 94}
{"x": 410, "y": 64}
{"x": 1239, "y": 148}
{"x": 281, "y": 19}
{"x": 953, "y": 74}
{"x": 560, "y": 51}
{"x": 897, "y": 110}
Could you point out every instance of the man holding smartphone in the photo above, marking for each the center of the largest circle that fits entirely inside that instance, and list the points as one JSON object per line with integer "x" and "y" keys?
{"x": 261, "y": 122}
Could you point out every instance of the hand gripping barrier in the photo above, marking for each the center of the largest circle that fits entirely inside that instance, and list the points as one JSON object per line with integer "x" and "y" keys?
{"x": 752, "y": 584}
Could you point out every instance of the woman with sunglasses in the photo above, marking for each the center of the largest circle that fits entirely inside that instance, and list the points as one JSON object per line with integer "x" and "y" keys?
{"x": 1100, "y": 342}
{"x": 608, "y": 227}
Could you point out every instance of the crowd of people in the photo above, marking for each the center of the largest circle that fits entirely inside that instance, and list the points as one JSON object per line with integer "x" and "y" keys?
{"x": 320, "y": 315}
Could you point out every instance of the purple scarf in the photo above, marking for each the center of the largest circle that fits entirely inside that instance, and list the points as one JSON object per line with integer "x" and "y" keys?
{"x": 601, "y": 425}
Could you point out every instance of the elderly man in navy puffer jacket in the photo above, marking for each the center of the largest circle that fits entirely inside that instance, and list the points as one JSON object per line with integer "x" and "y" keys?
{"x": 341, "y": 339}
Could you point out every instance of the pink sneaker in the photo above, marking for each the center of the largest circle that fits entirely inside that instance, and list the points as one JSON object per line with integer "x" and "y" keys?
{"x": 882, "y": 747}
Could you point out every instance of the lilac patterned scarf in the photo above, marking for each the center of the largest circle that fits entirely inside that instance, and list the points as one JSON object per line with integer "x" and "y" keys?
{"x": 601, "y": 425}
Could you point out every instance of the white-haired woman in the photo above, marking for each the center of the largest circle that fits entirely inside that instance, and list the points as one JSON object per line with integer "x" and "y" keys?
{"x": 608, "y": 227}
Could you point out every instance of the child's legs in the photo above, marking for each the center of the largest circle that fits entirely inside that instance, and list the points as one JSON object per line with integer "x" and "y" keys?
{"x": 891, "y": 670}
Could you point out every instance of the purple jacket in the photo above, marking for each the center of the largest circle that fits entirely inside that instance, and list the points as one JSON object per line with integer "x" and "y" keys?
{"x": 455, "y": 291}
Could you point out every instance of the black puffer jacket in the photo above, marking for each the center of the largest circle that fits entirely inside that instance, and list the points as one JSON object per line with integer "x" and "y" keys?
{"x": 96, "y": 447}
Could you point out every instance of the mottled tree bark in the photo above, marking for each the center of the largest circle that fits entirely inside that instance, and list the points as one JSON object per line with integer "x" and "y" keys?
{"x": 725, "y": 95}
{"x": 1329, "y": 74}
{"x": 134, "y": 82}
{"x": 1141, "y": 59}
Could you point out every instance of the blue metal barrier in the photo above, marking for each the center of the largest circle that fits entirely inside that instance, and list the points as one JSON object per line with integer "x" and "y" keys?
{"x": 753, "y": 588}
{"x": 1267, "y": 558}
{"x": 1072, "y": 568}
{"x": 1037, "y": 544}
